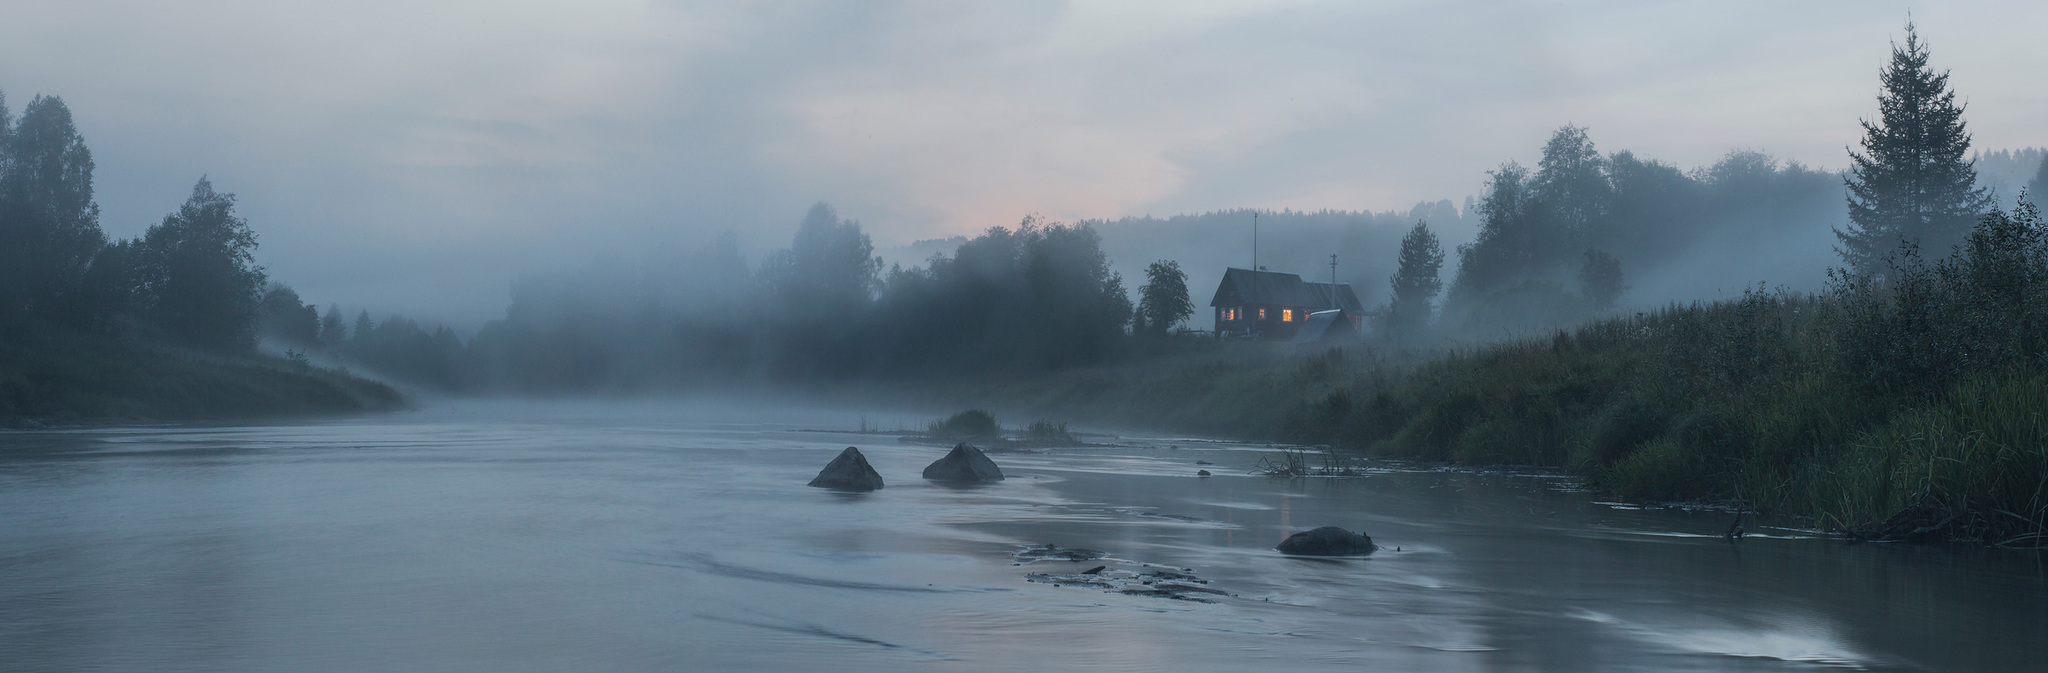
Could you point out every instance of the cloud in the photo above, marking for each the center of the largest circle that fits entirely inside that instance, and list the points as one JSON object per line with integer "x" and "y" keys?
{"x": 417, "y": 156}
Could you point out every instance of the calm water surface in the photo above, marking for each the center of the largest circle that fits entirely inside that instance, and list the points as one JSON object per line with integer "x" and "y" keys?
{"x": 643, "y": 536}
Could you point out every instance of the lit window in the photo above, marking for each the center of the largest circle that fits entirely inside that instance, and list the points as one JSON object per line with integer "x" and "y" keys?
{"x": 1262, "y": 314}
{"x": 1286, "y": 315}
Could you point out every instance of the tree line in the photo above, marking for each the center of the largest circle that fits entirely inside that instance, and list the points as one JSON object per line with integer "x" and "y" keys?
{"x": 1034, "y": 297}
{"x": 1573, "y": 238}
{"x": 190, "y": 280}
{"x": 1031, "y": 297}
{"x": 1556, "y": 245}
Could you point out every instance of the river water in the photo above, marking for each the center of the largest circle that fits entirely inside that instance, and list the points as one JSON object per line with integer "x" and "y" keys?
{"x": 659, "y": 536}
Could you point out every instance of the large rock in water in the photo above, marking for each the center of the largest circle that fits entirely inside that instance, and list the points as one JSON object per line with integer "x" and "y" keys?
{"x": 1327, "y": 541}
{"x": 964, "y": 464}
{"x": 849, "y": 472}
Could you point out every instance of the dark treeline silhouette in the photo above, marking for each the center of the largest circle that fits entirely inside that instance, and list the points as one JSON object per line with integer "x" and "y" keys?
{"x": 1037, "y": 297}
{"x": 1560, "y": 244}
{"x": 2006, "y": 172}
{"x": 160, "y": 326}
{"x": 190, "y": 280}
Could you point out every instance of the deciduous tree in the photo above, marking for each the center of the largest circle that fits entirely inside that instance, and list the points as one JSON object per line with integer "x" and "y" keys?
{"x": 199, "y": 273}
{"x": 1163, "y": 301}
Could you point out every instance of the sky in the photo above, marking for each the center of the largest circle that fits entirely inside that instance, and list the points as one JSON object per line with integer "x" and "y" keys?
{"x": 417, "y": 156}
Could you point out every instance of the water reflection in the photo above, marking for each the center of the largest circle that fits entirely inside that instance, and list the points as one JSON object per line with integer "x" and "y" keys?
{"x": 643, "y": 537}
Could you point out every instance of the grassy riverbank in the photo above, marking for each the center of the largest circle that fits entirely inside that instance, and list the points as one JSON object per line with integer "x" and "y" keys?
{"x": 1914, "y": 406}
{"x": 59, "y": 378}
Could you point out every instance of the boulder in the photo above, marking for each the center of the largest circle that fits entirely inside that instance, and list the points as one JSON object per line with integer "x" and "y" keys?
{"x": 849, "y": 472}
{"x": 1327, "y": 541}
{"x": 964, "y": 464}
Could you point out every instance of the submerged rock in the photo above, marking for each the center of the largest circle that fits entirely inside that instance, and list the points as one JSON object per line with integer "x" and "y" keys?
{"x": 964, "y": 464}
{"x": 1327, "y": 541}
{"x": 1051, "y": 552}
{"x": 849, "y": 472}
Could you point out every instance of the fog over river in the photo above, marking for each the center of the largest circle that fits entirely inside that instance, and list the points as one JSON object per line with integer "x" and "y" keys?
{"x": 651, "y": 536}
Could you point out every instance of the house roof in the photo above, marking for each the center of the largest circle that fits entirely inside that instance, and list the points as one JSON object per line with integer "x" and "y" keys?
{"x": 1245, "y": 286}
{"x": 1324, "y": 327}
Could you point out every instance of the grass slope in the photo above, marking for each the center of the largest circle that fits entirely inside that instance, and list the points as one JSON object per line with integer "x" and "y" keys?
{"x": 58, "y": 378}
{"x": 1908, "y": 406}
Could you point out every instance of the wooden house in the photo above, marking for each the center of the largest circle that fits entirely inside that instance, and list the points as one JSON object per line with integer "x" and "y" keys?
{"x": 1273, "y": 305}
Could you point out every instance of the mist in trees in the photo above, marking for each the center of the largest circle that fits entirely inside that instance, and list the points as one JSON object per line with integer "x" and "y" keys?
{"x": 281, "y": 314}
{"x": 2003, "y": 173}
{"x": 1554, "y": 245}
{"x": 1600, "y": 280}
{"x": 1036, "y": 297}
{"x": 1416, "y": 282}
{"x": 1163, "y": 301}
{"x": 819, "y": 286}
{"x": 2039, "y": 185}
{"x": 1578, "y": 234}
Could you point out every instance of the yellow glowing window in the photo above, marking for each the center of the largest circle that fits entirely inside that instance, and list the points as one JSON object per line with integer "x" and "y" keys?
{"x": 1262, "y": 314}
{"x": 1286, "y": 315}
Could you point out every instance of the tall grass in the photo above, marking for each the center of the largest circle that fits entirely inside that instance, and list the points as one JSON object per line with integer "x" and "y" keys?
{"x": 1904, "y": 404}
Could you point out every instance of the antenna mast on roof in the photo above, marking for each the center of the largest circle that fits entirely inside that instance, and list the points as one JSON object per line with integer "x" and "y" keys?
{"x": 1333, "y": 281}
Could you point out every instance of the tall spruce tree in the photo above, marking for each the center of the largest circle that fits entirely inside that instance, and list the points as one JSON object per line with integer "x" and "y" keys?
{"x": 1415, "y": 282}
{"x": 1912, "y": 184}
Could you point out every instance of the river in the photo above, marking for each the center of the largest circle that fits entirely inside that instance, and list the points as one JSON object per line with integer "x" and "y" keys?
{"x": 644, "y": 536}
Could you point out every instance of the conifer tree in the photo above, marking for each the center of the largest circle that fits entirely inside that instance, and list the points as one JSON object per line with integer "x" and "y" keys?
{"x": 332, "y": 330}
{"x": 1911, "y": 184}
{"x": 2039, "y": 185}
{"x": 1416, "y": 282}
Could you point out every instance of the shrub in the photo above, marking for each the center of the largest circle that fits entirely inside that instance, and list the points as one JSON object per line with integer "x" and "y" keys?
{"x": 1047, "y": 432}
{"x": 969, "y": 424}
